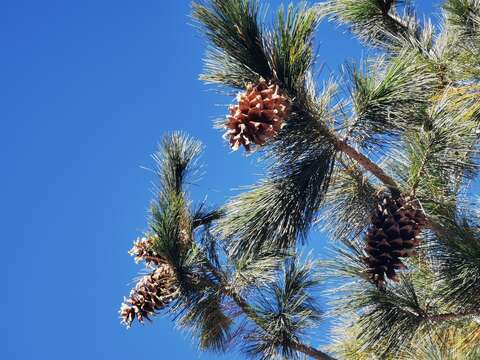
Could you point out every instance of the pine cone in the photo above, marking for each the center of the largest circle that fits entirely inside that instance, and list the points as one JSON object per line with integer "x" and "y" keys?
{"x": 393, "y": 234}
{"x": 142, "y": 250}
{"x": 151, "y": 294}
{"x": 259, "y": 115}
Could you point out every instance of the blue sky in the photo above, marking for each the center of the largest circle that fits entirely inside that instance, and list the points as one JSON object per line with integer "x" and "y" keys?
{"x": 88, "y": 89}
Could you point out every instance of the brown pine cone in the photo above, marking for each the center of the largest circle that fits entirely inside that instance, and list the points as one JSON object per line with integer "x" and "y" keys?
{"x": 142, "y": 250}
{"x": 393, "y": 234}
{"x": 259, "y": 115}
{"x": 151, "y": 294}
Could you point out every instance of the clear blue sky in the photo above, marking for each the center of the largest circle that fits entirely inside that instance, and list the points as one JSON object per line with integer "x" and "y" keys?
{"x": 87, "y": 90}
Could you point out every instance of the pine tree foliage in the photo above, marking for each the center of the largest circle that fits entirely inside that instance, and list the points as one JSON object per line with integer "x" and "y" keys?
{"x": 464, "y": 17}
{"x": 238, "y": 53}
{"x": 291, "y": 46}
{"x": 279, "y": 210}
{"x": 444, "y": 343}
{"x": 402, "y": 124}
{"x": 218, "y": 299}
{"x": 286, "y": 310}
{"x": 378, "y": 22}
{"x": 388, "y": 98}
{"x": 457, "y": 261}
{"x": 352, "y": 197}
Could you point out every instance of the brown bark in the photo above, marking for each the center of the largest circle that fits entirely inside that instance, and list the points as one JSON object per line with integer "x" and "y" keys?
{"x": 452, "y": 316}
{"x": 312, "y": 352}
{"x": 366, "y": 163}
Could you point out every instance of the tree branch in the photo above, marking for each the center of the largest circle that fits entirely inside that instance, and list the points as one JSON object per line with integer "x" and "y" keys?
{"x": 452, "y": 316}
{"x": 378, "y": 172}
{"x": 366, "y": 163}
{"x": 312, "y": 352}
{"x": 251, "y": 313}
{"x": 395, "y": 20}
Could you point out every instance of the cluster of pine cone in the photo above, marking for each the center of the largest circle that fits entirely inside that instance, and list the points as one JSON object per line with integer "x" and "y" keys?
{"x": 393, "y": 234}
{"x": 259, "y": 115}
{"x": 154, "y": 291}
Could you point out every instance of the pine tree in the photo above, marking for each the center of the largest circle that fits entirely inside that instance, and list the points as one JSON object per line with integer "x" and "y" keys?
{"x": 383, "y": 160}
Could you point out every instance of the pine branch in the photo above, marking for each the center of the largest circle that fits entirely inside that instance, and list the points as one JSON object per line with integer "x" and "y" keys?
{"x": 380, "y": 174}
{"x": 367, "y": 164}
{"x": 250, "y": 312}
{"x": 257, "y": 271}
{"x": 443, "y": 153}
{"x": 464, "y": 17}
{"x": 417, "y": 302}
{"x": 388, "y": 98}
{"x": 278, "y": 211}
{"x": 175, "y": 161}
{"x": 457, "y": 260}
{"x": 199, "y": 284}
{"x": 291, "y": 46}
{"x": 312, "y": 352}
{"x": 352, "y": 197}
{"x": 205, "y": 218}
{"x": 376, "y": 22}
{"x": 452, "y": 316}
{"x": 455, "y": 340}
{"x": 238, "y": 54}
